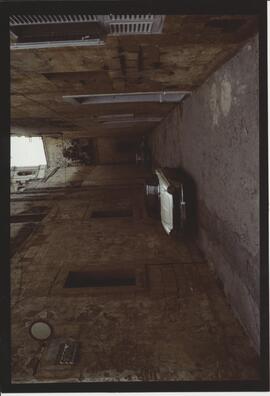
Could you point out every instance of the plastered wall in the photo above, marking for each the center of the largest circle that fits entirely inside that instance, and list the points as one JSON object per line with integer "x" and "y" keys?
{"x": 214, "y": 135}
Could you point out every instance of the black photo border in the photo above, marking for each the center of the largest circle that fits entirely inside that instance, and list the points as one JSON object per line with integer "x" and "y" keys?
{"x": 197, "y": 7}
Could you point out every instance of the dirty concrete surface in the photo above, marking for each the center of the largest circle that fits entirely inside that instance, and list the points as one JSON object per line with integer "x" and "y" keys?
{"x": 175, "y": 324}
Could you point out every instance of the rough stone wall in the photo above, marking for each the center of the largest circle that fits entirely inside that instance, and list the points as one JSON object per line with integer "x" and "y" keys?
{"x": 214, "y": 135}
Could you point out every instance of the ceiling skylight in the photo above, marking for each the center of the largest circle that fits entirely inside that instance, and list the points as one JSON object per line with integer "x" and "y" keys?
{"x": 27, "y": 151}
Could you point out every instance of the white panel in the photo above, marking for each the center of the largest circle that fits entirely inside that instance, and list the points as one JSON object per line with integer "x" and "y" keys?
{"x": 161, "y": 97}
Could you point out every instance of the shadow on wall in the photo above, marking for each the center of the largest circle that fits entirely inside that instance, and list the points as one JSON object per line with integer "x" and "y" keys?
{"x": 191, "y": 195}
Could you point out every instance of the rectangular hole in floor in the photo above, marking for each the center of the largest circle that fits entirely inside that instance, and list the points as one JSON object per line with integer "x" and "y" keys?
{"x": 100, "y": 279}
{"x": 112, "y": 213}
{"x": 27, "y": 218}
{"x": 17, "y": 241}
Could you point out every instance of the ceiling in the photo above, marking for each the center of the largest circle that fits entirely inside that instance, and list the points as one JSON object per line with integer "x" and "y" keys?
{"x": 189, "y": 49}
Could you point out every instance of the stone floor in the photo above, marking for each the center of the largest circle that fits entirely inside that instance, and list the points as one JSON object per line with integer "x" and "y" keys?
{"x": 177, "y": 326}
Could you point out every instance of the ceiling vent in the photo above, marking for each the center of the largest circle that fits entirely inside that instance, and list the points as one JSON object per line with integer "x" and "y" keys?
{"x": 116, "y": 119}
{"x": 107, "y": 117}
{"x": 135, "y": 120}
{"x": 160, "y": 97}
{"x": 20, "y": 20}
{"x": 134, "y": 24}
{"x": 41, "y": 31}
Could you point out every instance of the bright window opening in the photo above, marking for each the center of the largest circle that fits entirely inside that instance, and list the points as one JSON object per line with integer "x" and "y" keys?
{"x": 27, "y": 151}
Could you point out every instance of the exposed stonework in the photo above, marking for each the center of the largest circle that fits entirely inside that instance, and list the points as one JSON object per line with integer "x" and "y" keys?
{"x": 214, "y": 135}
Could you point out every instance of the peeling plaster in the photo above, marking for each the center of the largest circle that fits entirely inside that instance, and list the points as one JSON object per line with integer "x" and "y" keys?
{"x": 214, "y": 106}
{"x": 226, "y": 96}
